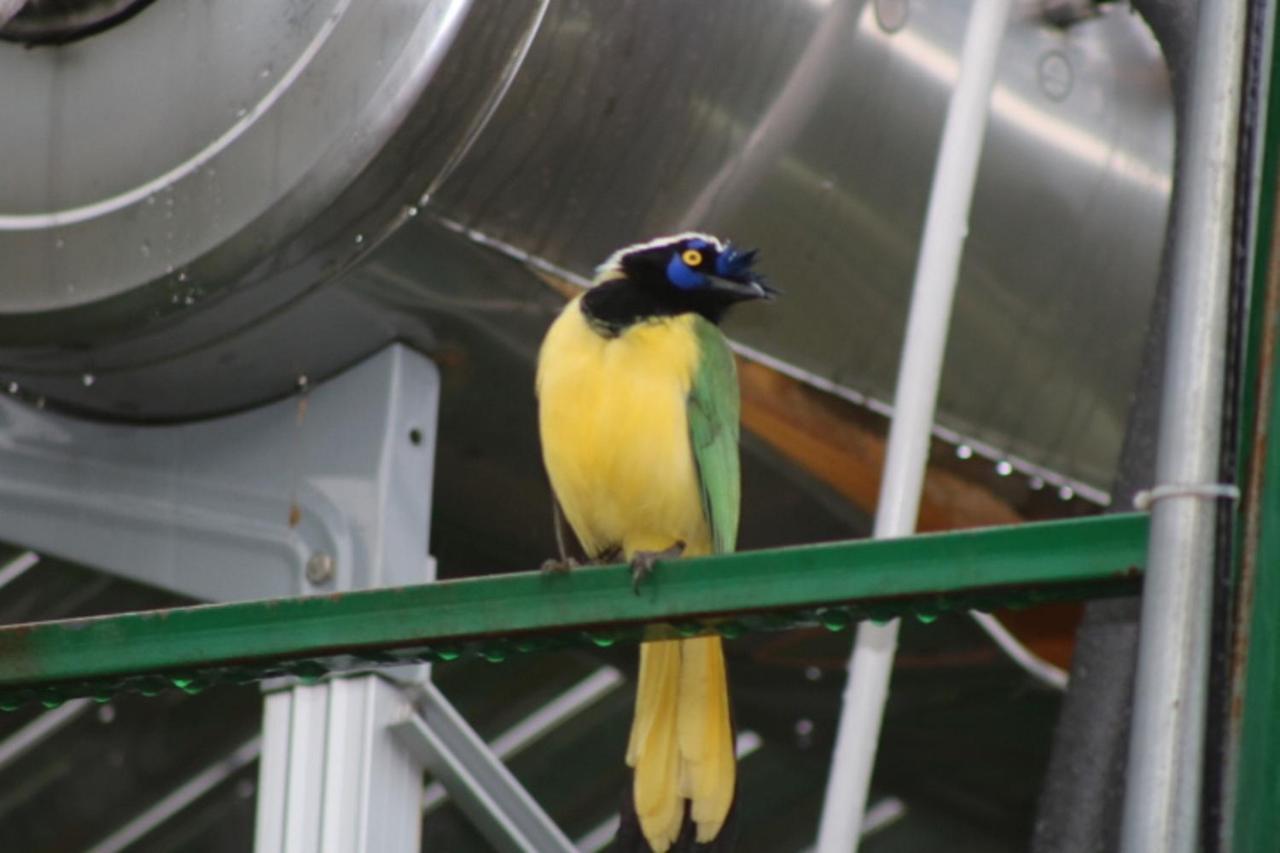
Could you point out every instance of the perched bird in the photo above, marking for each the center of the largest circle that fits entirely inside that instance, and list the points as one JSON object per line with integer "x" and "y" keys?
{"x": 638, "y": 411}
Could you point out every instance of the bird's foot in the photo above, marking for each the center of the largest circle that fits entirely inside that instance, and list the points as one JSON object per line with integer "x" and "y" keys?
{"x": 642, "y": 563}
{"x": 561, "y": 566}
{"x": 566, "y": 564}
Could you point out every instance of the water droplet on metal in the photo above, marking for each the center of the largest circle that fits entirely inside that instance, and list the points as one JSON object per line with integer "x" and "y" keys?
{"x": 359, "y": 239}
{"x": 1066, "y": 493}
{"x": 412, "y": 211}
{"x": 964, "y": 451}
{"x": 88, "y": 379}
{"x": 926, "y": 618}
{"x": 1004, "y": 468}
{"x": 106, "y": 714}
{"x": 182, "y": 276}
{"x": 730, "y": 630}
{"x": 13, "y": 387}
{"x": 494, "y": 654}
{"x": 447, "y": 653}
{"x": 1036, "y": 483}
{"x": 603, "y": 639}
{"x": 835, "y": 619}
{"x": 813, "y": 673}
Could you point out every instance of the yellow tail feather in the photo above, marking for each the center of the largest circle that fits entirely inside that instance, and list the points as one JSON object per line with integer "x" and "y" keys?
{"x": 681, "y": 743}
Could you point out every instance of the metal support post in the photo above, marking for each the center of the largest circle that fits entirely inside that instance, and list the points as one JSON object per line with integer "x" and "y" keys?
{"x": 937, "y": 270}
{"x": 332, "y": 778}
{"x": 1162, "y": 800}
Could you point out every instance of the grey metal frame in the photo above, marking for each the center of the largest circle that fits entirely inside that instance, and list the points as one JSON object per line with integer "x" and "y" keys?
{"x": 327, "y": 490}
{"x": 1162, "y": 801}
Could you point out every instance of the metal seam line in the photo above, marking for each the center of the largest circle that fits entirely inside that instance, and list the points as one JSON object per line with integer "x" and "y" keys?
{"x": 1162, "y": 797}
{"x": 915, "y": 400}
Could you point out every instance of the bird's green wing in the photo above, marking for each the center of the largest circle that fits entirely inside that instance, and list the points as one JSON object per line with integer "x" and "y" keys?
{"x": 713, "y": 430}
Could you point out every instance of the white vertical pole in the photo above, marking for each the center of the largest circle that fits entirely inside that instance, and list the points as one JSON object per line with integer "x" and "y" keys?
{"x": 946, "y": 225}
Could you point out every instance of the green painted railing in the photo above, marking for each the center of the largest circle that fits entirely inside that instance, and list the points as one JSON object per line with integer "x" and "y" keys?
{"x": 830, "y": 584}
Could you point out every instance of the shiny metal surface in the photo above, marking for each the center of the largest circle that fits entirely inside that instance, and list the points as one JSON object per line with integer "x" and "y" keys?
{"x": 817, "y": 145}
{"x": 168, "y": 160}
{"x": 560, "y": 129}
{"x": 1164, "y": 788}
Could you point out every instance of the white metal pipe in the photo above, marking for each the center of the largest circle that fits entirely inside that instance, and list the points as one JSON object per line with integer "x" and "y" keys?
{"x": 1166, "y": 749}
{"x": 916, "y": 394}
{"x": 39, "y": 730}
{"x": 541, "y": 722}
{"x": 17, "y": 567}
{"x": 1028, "y": 661}
{"x": 164, "y": 809}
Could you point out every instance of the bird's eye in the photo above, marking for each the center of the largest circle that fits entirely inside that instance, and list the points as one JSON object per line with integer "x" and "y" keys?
{"x": 691, "y": 257}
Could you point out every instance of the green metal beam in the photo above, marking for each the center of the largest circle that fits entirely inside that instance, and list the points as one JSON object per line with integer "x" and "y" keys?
{"x": 832, "y": 584}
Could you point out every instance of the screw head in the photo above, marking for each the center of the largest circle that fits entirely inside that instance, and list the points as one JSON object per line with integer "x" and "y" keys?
{"x": 320, "y": 568}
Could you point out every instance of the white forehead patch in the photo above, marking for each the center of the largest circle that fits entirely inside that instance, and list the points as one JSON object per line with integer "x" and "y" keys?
{"x": 612, "y": 266}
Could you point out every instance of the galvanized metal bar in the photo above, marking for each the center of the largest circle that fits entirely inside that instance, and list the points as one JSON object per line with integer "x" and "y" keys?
{"x": 1162, "y": 803}
{"x": 39, "y": 730}
{"x": 168, "y": 806}
{"x": 915, "y": 400}
{"x": 833, "y": 583}
{"x": 482, "y": 786}
{"x": 550, "y": 716}
{"x": 17, "y": 567}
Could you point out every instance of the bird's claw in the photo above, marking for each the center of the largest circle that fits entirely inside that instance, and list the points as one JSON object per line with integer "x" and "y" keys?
{"x": 558, "y": 567}
{"x": 642, "y": 563}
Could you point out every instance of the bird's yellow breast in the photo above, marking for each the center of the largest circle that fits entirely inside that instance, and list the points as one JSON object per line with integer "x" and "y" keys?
{"x": 615, "y": 433}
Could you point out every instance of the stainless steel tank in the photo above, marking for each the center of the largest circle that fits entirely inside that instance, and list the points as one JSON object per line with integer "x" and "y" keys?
{"x": 201, "y": 201}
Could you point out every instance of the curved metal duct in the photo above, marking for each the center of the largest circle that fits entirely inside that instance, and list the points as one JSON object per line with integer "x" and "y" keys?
{"x": 203, "y": 202}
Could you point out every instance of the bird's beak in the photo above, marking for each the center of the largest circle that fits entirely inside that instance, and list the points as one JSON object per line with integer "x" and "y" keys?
{"x": 753, "y": 287}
